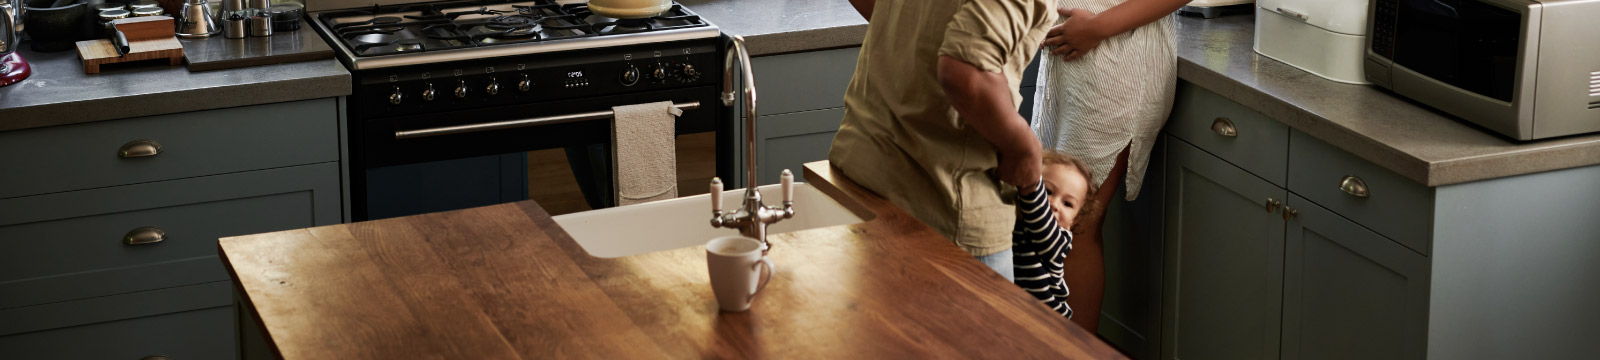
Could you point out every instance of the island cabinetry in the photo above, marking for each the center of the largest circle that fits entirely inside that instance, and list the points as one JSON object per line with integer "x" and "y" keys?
{"x": 111, "y": 227}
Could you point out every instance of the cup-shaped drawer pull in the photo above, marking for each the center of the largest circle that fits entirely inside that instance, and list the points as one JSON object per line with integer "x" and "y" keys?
{"x": 139, "y": 148}
{"x": 1354, "y": 186}
{"x": 1223, "y": 126}
{"x": 144, "y": 235}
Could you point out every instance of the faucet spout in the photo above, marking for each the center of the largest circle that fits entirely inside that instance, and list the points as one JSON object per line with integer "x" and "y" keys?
{"x": 752, "y": 219}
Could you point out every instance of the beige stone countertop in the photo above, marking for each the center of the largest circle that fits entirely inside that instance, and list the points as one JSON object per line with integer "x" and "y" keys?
{"x": 773, "y": 27}
{"x": 1420, "y": 143}
{"x": 1425, "y": 145}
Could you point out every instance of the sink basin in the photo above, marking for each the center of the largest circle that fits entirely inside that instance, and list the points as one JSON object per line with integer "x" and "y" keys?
{"x": 685, "y": 222}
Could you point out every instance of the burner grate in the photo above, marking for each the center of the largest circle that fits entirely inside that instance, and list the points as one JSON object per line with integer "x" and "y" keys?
{"x": 384, "y": 30}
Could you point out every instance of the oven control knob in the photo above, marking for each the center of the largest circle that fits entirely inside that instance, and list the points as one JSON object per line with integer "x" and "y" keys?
{"x": 660, "y": 73}
{"x": 427, "y": 95}
{"x": 461, "y": 91}
{"x": 494, "y": 87}
{"x": 525, "y": 84}
{"x": 688, "y": 74}
{"x": 630, "y": 76}
{"x": 394, "y": 99}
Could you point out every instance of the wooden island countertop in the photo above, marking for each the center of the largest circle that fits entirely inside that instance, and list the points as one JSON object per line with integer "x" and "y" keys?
{"x": 504, "y": 282}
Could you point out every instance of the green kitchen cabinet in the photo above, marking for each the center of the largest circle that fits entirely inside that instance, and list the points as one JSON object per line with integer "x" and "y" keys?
{"x": 1224, "y": 259}
{"x": 800, "y": 107}
{"x": 112, "y": 225}
{"x": 1348, "y": 292}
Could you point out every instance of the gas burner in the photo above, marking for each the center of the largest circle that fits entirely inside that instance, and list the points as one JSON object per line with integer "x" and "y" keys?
{"x": 451, "y": 16}
{"x": 399, "y": 46}
{"x": 380, "y": 21}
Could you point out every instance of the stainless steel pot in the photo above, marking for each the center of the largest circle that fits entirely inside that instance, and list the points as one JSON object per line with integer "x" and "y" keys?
{"x": 629, "y": 9}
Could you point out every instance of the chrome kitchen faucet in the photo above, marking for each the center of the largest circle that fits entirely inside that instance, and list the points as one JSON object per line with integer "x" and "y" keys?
{"x": 753, "y": 218}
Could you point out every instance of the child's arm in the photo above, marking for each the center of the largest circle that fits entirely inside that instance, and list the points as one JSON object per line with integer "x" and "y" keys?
{"x": 1039, "y": 246}
{"x": 1040, "y": 231}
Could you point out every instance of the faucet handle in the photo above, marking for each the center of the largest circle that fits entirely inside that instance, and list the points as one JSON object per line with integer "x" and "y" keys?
{"x": 716, "y": 195}
{"x": 788, "y": 186}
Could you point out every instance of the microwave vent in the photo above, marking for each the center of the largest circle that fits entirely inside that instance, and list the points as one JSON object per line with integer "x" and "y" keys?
{"x": 1594, "y": 85}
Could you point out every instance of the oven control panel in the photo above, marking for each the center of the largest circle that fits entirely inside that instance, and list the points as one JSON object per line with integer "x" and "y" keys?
{"x": 536, "y": 78}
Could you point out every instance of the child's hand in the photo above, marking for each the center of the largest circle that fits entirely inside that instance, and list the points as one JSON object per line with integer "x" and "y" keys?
{"x": 1076, "y": 36}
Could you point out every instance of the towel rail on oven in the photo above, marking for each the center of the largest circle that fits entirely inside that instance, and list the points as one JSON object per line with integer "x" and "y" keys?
{"x": 557, "y": 119}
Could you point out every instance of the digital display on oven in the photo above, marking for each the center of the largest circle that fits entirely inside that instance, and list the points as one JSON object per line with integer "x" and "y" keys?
{"x": 575, "y": 74}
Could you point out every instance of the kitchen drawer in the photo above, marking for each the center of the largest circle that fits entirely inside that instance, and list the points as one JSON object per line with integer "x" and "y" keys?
{"x": 1259, "y": 144}
{"x": 1395, "y": 206}
{"x": 102, "y": 309}
{"x": 803, "y": 81}
{"x": 85, "y": 156}
{"x": 198, "y": 334}
{"x": 72, "y": 245}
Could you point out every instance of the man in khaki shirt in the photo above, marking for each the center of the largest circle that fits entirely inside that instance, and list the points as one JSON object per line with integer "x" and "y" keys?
{"x": 931, "y": 118}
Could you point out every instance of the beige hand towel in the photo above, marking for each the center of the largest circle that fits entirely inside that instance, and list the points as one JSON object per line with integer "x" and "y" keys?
{"x": 645, "y": 152}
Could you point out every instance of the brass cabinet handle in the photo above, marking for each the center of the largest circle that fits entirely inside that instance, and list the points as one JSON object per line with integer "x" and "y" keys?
{"x": 139, "y": 148}
{"x": 1289, "y": 213}
{"x": 1223, "y": 126}
{"x": 144, "y": 235}
{"x": 1354, "y": 186}
{"x": 1272, "y": 204}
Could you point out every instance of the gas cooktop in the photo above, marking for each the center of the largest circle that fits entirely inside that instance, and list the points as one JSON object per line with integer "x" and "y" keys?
{"x": 426, "y": 33}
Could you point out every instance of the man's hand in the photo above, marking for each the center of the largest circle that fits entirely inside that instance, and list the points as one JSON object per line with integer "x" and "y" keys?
{"x": 1021, "y": 168}
{"x": 983, "y": 99}
{"x": 1079, "y": 34}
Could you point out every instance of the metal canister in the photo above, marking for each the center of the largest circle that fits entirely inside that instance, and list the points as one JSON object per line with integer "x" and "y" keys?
{"x": 140, "y": 4}
{"x": 260, "y": 25}
{"x": 101, "y": 8}
{"x": 235, "y": 25}
{"x": 148, "y": 11}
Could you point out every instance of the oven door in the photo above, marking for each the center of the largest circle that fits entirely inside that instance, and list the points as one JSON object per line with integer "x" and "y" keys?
{"x": 395, "y": 174}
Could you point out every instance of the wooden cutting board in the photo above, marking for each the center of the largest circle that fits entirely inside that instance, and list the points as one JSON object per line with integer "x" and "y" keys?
{"x": 149, "y": 38}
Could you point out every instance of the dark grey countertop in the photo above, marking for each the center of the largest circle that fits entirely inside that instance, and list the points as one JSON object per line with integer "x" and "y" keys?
{"x": 1412, "y": 140}
{"x": 59, "y": 93}
{"x": 783, "y": 26}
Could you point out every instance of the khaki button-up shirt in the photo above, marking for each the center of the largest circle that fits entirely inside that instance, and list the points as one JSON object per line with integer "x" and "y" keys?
{"x": 900, "y": 136}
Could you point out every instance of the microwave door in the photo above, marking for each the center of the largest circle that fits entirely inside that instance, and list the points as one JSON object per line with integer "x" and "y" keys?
{"x": 1469, "y": 44}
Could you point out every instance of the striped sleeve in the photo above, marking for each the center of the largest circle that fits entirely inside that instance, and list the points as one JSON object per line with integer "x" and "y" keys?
{"x": 1038, "y": 247}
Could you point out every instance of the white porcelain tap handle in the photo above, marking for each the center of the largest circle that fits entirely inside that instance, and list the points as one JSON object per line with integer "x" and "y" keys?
{"x": 788, "y": 186}
{"x": 716, "y": 194}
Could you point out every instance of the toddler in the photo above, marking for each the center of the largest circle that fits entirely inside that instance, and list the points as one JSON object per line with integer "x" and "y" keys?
{"x": 1043, "y": 236}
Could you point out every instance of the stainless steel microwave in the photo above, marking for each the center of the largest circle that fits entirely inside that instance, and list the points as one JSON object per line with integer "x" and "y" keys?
{"x": 1526, "y": 69}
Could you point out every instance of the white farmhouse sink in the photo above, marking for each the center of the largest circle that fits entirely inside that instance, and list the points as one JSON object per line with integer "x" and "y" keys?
{"x": 685, "y": 222}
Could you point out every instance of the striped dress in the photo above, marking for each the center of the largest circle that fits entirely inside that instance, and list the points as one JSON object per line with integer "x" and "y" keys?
{"x": 1116, "y": 96}
{"x": 1038, "y": 246}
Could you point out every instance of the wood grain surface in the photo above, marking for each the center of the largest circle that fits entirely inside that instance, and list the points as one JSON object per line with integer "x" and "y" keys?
{"x": 95, "y": 53}
{"x": 505, "y": 282}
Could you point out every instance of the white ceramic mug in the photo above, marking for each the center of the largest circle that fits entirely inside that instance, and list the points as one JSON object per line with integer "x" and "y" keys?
{"x": 736, "y": 264}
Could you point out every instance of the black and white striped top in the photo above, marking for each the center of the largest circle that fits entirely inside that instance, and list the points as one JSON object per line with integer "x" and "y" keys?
{"x": 1038, "y": 246}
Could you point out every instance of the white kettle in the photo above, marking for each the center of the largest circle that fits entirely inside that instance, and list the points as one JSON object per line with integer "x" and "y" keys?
{"x": 629, "y": 9}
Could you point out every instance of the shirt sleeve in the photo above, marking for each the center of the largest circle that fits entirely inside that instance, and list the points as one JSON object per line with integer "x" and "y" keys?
{"x": 983, "y": 32}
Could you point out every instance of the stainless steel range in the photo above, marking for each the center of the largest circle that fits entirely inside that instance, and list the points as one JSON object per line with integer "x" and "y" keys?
{"x": 449, "y": 96}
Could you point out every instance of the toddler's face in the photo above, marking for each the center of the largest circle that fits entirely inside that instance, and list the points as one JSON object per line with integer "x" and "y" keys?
{"x": 1068, "y": 190}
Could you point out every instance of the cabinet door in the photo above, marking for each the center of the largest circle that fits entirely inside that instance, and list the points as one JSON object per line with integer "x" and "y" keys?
{"x": 1350, "y": 293}
{"x": 790, "y": 140}
{"x": 1224, "y": 260}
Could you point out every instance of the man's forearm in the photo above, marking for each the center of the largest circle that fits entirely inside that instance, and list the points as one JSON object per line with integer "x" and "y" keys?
{"x": 864, "y": 7}
{"x": 984, "y": 101}
{"x": 1135, "y": 13}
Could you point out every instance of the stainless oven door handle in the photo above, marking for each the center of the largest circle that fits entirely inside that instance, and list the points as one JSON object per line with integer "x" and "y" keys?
{"x": 557, "y": 119}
